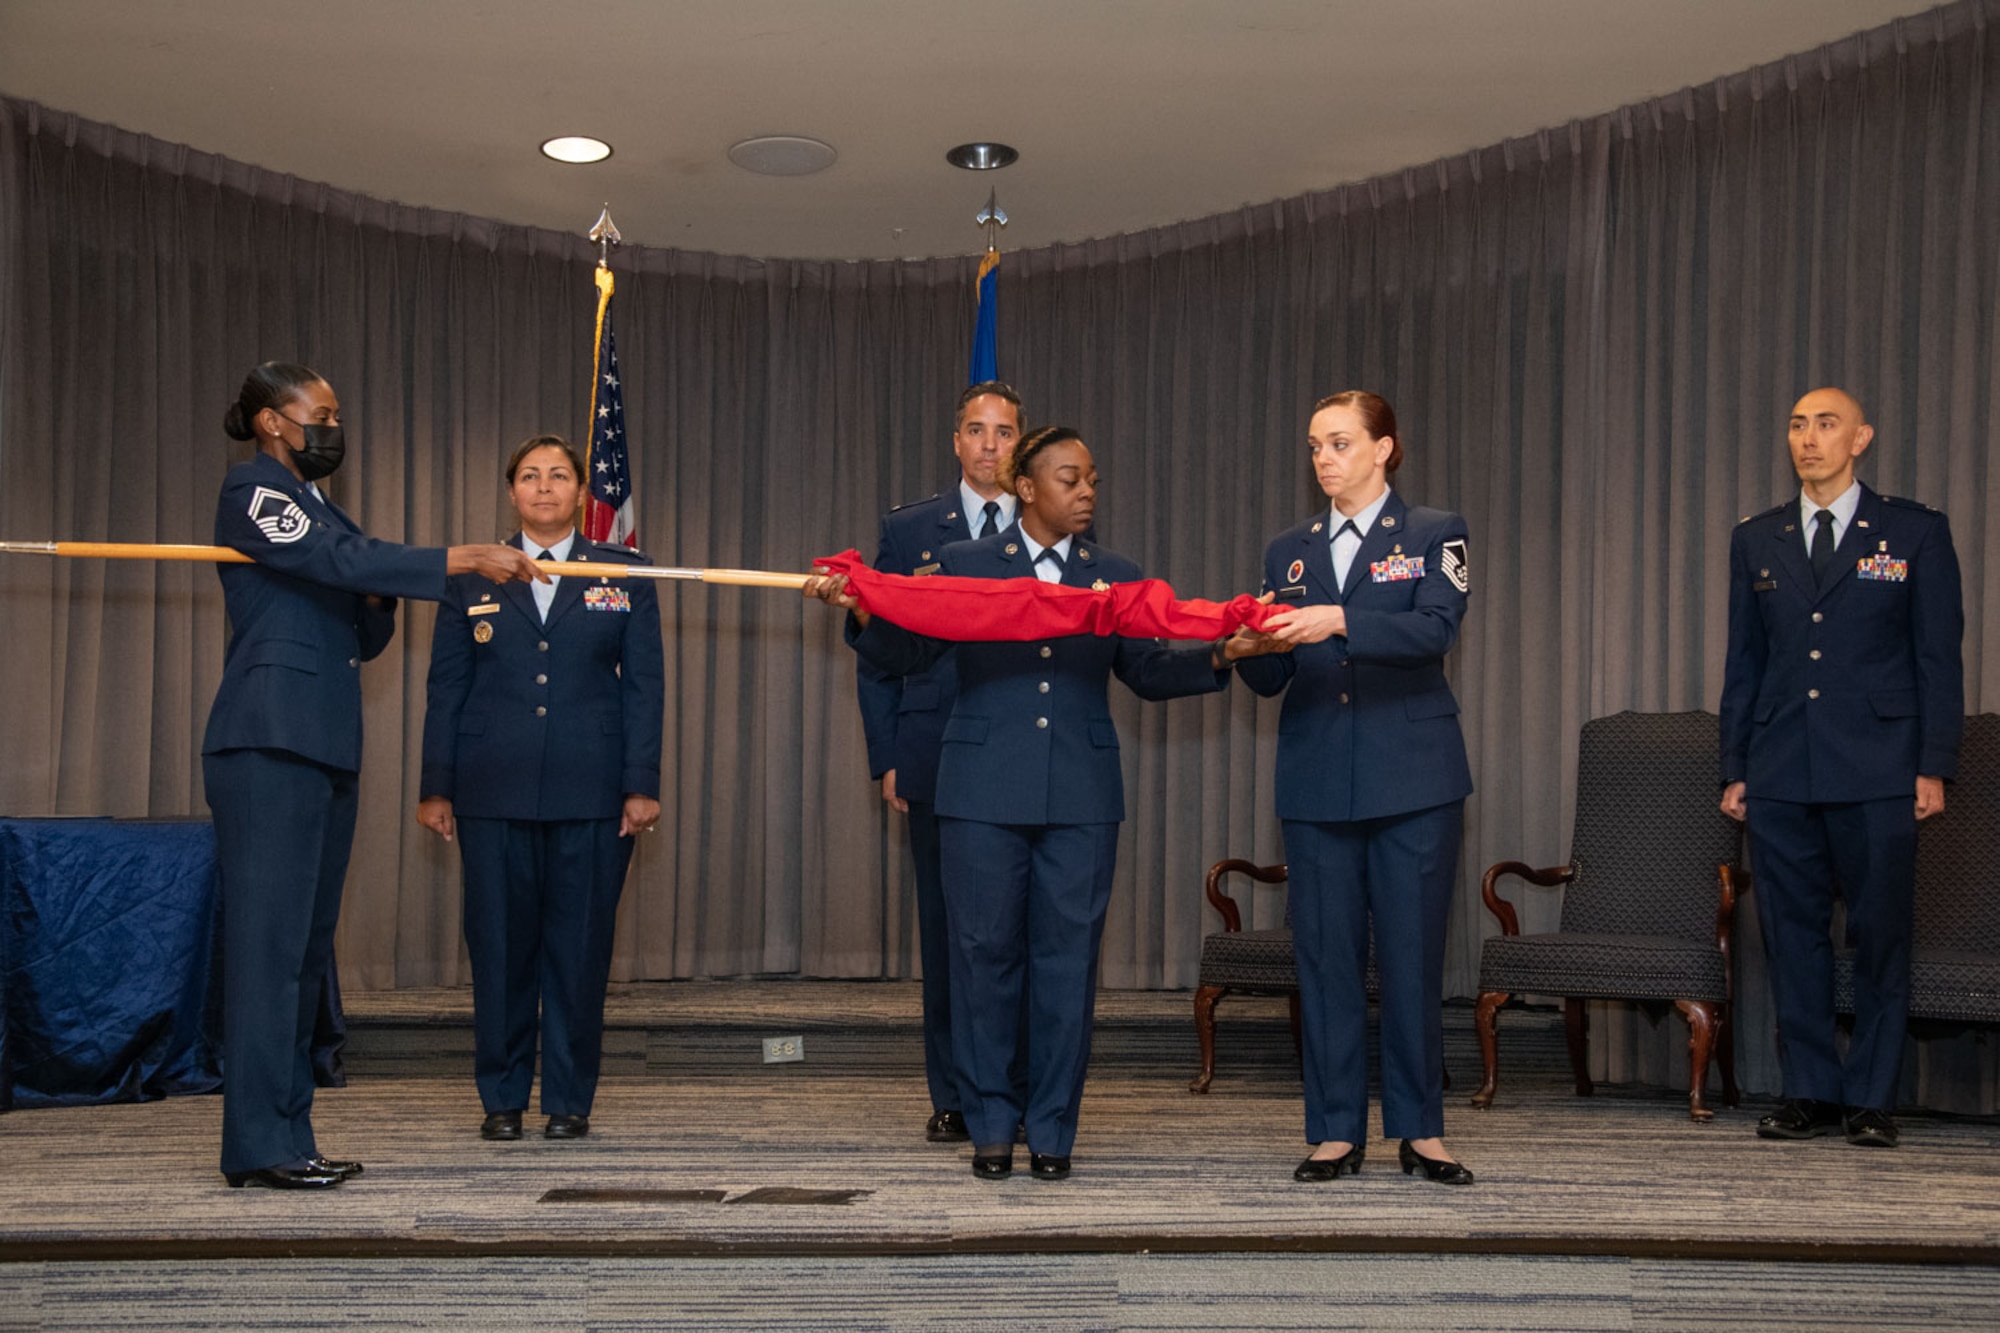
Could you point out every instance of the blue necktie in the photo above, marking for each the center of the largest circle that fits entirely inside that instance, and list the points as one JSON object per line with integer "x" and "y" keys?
{"x": 992, "y": 524}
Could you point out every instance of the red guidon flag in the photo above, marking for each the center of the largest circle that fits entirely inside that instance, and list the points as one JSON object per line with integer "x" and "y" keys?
{"x": 966, "y": 610}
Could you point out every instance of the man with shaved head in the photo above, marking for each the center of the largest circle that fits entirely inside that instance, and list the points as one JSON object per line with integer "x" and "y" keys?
{"x": 1842, "y": 702}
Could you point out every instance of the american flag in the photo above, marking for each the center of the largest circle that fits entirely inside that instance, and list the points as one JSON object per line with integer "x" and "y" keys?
{"x": 609, "y": 515}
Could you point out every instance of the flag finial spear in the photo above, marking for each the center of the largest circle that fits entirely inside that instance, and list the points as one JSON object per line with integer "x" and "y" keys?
{"x": 605, "y": 233}
{"x": 992, "y": 218}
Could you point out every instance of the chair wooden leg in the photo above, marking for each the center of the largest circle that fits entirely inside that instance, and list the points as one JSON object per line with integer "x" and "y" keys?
{"x": 1486, "y": 1023}
{"x": 1701, "y": 1044}
{"x": 1725, "y": 1053}
{"x": 1204, "y": 1031}
{"x": 1576, "y": 1027}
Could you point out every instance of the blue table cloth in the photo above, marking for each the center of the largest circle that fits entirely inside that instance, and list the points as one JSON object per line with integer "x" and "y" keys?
{"x": 110, "y": 964}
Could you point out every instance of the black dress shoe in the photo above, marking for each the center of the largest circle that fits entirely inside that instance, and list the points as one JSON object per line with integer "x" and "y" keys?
{"x": 345, "y": 1170}
{"x": 1801, "y": 1119}
{"x": 1331, "y": 1168}
{"x": 993, "y": 1163}
{"x": 284, "y": 1178}
{"x": 947, "y": 1127}
{"x": 1434, "y": 1168}
{"x": 1047, "y": 1166}
{"x": 1871, "y": 1129}
{"x": 501, "y": 1126}
{"x": 566, "y": 1127}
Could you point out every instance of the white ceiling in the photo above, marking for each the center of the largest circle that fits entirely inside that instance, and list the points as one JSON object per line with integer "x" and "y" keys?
{"x": 1128, "y": 113}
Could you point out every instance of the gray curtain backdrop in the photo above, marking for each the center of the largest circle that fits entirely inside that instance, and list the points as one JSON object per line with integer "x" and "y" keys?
{"x": 1592, "y": 336}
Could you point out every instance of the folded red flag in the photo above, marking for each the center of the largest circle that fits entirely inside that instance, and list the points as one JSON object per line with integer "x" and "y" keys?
{"x": 1012, "y": 610}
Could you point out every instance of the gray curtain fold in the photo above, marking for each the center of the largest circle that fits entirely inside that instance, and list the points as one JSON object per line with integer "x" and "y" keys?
{"x": 1592, "y": 336}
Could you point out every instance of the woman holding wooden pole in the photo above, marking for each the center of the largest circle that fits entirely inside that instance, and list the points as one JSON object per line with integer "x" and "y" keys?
{"x": 283, "y": 749}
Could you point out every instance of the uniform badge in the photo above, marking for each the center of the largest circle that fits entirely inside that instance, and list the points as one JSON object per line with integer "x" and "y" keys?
{"x": 1453, "y": 564}
{"x": 483, "y": 632}
{"x": 1397, "y": 569}
{"x": 278, "y": 516}
{"x": 1012, "y": 549}
{"x": 922, "y": 570}
{"x": 482, "y": 609}
{"x": 1318, "y": 526}
{"x": 1883, "y": 568}
{"x": 601, "y": 597}
{"x": 1083, "y": 553}
{"x": 1100, "y": 586}
{"x": 1296, "y": 571}
{"x": 1389, "y": 520}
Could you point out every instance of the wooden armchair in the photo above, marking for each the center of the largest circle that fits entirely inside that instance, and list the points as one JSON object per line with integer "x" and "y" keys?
{"x": 1649, "y": 899}
{"x": 1249, "y": 962}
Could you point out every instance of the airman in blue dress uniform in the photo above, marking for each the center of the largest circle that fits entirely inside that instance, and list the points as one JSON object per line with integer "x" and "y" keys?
{"x": 1842, "y": 702}
{"x": 542, "y": 755}
{"x": 282, "y": 751}
{"x": 1371, "y": 784}
{"x": 1029, "y": 797}
{"x": 903, "y": 716}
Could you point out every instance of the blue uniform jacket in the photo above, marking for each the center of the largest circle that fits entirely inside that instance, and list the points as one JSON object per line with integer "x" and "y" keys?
{"x": 1851, "y": 693}
{"x": 299, "y": 619}
{"x": 1370, "y": 725}
{"x": 561, "y": 720}
{"x": 1030, "y": 739}
{"x": 903, "y": 716}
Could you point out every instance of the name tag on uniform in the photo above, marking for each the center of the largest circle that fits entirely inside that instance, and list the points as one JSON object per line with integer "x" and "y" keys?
{"x": 600, "y": 597}
{"x": 1883, "y": 568}
{"x": 922, "y": 570}
{"x": 1297, "y": 594}
{"x": 1768, "y": 585}
{"x": 483, "y": 609}
{"x": 1397, "y": 568}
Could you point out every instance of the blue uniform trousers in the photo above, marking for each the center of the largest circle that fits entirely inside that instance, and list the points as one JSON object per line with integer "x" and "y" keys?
{"x": 1399, "y": 871}
{"x": 1799, "y": 853}
{"x": 541, "y": 908}
{"x": 934, "y": 949}
{"x": 1027, "y": 906}
{"x": 284, "y": 827}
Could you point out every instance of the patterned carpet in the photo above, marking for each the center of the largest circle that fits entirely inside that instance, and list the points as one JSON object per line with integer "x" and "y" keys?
{"x": 1609, "y": 1212}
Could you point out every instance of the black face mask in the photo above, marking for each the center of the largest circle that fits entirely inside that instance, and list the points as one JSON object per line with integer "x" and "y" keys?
{"x": 325, "y": 447}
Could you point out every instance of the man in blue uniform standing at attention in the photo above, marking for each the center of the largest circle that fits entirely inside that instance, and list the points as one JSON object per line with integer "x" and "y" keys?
{"x": 903, "y": 716}
{"x": 1842, "y": 702}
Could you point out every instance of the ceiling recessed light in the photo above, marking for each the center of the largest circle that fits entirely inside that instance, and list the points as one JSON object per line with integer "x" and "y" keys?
{"x": 576, "y": 148}
{"x": 782, "y": 155}
{"x": 981, "y": 156}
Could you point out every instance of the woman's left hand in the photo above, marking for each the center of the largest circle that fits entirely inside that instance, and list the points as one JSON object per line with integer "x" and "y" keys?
{"x": 1307, "y": 624}
{"x": 641, "y": 813}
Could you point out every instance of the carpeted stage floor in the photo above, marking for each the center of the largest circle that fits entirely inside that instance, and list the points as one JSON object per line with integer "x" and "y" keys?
{"x": 718, "y": 1191}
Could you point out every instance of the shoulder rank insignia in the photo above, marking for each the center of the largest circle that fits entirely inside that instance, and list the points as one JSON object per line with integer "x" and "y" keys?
{"x": 278, "y": 516}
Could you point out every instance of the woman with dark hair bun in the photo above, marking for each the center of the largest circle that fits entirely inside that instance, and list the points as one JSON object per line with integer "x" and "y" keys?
{"x": 1371, "y": 783}
{"x": 1029, "y": 799}
{"x": 283, "y": 748}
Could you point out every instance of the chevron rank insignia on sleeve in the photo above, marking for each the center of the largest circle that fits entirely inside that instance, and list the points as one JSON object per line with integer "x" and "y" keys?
{"x": 278, "y": 516}
{"x": 1452, "y": 564}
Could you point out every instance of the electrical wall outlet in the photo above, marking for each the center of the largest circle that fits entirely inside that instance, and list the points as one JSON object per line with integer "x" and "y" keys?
{"x": 778, "y": 1050}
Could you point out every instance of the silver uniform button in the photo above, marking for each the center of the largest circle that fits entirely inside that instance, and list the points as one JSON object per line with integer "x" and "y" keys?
{"x": 354, "y": 661}
{"x": 540, "y": 711}
{"x": 1047, "y": 651}
{"x": 1812, "y": 694}
{"x": 1817, "y": 617}
{"x": 541, "y": 680}
{"x": 543, "y": 645}
{"x": 1044, "y": 687}
{"x": 1343, "y": 698}
{"x": 1042, "y": 722}
{"x": 1814, "y": 654}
